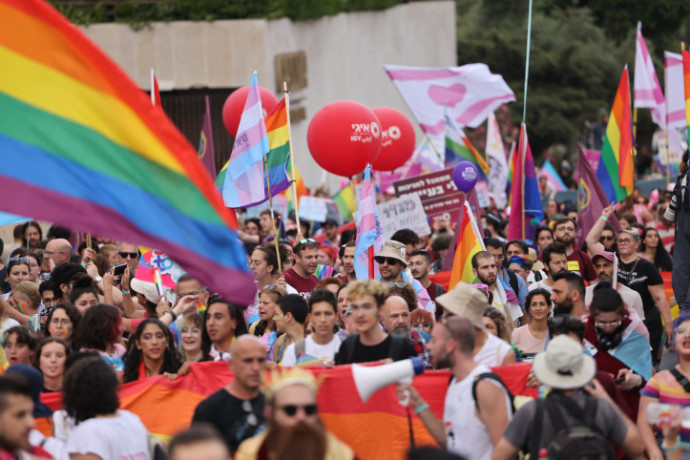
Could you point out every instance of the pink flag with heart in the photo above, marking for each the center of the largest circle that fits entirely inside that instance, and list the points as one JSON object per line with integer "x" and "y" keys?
{"x": 468, "y": 94}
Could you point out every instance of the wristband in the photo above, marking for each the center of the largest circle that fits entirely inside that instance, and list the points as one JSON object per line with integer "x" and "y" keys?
{"x": 84, "y": 265}
{"x": 604, "y": 218}
{"x": 125, "y": 292}
{"x": 418, "y": 410}
{"x": 172, "y": 313}
{"x": 672, "y": 448}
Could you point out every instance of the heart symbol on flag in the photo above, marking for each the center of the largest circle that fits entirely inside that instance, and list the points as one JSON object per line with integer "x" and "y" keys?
{"x": 447, "y": 96}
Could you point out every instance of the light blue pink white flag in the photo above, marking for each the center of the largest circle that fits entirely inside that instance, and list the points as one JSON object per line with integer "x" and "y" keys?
{"x": 647, "y": 89}
{"x": 369, "y": 234}
{"x": 244, "y": 180}
{"x": 554, "y": 181}
{"x": 468, "y": 94}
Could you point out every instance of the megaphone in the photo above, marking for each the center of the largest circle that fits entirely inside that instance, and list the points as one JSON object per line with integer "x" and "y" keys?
{"x": 369, "y": 380}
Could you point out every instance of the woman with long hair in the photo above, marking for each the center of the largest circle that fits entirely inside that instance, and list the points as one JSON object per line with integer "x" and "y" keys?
{"x": 51, "y": 354}
{"x": 151, "y": 351}
{"x": 18, "y": 270}
{"x": 652, "y": 250}
{"x": 100, "y": 330}
{"x": 264, "y": 264}
{"x": 190, "y": 339}
{"x": 32, "y": 234}
{"x": 223, "y": 322}
{"x": 531, "y": 337}
{"x": 62, "y": 322}
{"x": 102, "y": 431}
{"x": 265, "y": 327}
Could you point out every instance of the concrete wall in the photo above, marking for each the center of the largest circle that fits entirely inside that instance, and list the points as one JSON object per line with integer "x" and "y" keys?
{"x": 345, "y": 55}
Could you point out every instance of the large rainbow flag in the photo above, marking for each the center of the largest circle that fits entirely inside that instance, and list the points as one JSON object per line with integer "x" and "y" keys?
{"x": 377, "y": 429}
{"x": 82, "y": 146}
{"x": 469, "y": 243}
{"x": 686, "y": 82}
{"x": 615, "y": 171}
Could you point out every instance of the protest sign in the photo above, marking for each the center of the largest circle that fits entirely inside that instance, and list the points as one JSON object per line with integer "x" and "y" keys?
{"x": 427, "y": 186}
{"x": 313, "y": 208}
{"x": 445, "y": 207}
{"x": 404, "y": 212}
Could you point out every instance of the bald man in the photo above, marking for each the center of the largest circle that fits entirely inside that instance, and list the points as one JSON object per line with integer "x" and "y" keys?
{"x": 59, "y": 251}
{"x": 237, "y": 410}
{"x": 395, "y": 318}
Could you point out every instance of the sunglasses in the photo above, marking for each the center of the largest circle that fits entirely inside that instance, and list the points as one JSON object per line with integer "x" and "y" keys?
{"x": 397, "y": 284}
{"x": 251, "y": 417}
{"x": 291, "y": 409}
{"x": 606, "y": 238}
{"x": 307, "y": 240}
{"x": 387, "y": 260}
{"x": 19, "y": 259}
{"x": 131, "y": 255}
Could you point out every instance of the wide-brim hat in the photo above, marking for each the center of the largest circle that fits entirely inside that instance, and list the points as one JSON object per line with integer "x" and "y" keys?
{"x": 465, "y": 301}
{"x": 146, "y": 289}
{"x": 564, "y": 365}
{"x": 394, "y": 250}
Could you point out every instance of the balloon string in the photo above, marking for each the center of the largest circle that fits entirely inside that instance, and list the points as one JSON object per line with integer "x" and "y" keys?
{"x": 529, "y": 35}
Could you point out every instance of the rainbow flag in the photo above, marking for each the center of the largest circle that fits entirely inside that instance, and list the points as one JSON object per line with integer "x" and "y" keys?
{"x": 278, "y": 157}
{"x": 83, "y": 147}
{"x": 615, "y": 171}
{"x": 299, "y": 187}
{"x": 345, "y": 202}
{"x": 469, "y": 243}
{"x": 377, "y": 429}
{"x": 459, "y": 148}
{"x": 511, "y": 171}
{"x": 686, "y": 81}
{"x": 525, "y": 207}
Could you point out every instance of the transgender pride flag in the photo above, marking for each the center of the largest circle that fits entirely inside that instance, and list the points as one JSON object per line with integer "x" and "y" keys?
{"x": 244, "y": 179}
{"x": 369, "y": 234}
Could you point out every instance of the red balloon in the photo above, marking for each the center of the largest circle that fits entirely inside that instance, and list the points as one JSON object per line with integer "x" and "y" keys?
{"x": 397, "y": 139}
{"x": 343, "y": 137}
{"x": 234, "y": 106}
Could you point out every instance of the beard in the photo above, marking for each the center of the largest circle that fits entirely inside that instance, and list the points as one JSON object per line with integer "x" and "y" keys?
{"x": 304, "y": 440}
{"x": 486, "y": 280}
{"x": 401, "y": 331}
{"x": 444, "y": 362}
{"x": 563, "y": 308}
{"x": 566, "y": 240}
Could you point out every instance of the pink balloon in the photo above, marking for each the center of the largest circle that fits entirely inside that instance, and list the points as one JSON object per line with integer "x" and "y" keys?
{"x": 397, "y": 139}
{"x": 343, "y": 137}
{"x": 234, "y": 106}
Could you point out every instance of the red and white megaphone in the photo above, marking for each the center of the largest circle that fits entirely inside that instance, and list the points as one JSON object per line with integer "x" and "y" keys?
{"x": 369, "y": 380}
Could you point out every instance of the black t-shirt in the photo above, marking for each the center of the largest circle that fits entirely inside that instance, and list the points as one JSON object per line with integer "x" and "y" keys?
{"x": 638, "y": 275}
{"x": 4, "y": 285}
{"x": 226, "y": 414}
{"x": 364, "y": 353}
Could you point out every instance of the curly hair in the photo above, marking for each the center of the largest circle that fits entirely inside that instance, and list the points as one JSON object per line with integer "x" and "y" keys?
{"x": 90, "y": 389}
{"x": 171, "y": 358}
{"x": 98, "y": 328}
{"x": 72, "y": 312}
{"x": 375, "y": 289}
{"x": 499, "y": 319}
{"x": 404, "y": 290}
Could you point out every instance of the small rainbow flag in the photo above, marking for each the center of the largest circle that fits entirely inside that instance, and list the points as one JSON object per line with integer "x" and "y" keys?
{"x": 200, "y": 307}
{"x": 686, "y": 84}
{"x": 459, "y": 148}
{"x": 469, "y": 243}
{"x": 345, "y": 201}
{"x": 85, "y": 148}
{"x": 615, "y": 171}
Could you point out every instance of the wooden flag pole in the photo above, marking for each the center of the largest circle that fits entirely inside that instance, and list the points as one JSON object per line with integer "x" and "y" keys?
{"x": 273, "y": 221}
{"x": 293, "y": 184}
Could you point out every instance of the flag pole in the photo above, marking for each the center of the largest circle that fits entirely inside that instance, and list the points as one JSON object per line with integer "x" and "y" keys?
{"x": 273, "y": 221}
{"x": 293, "y": 184}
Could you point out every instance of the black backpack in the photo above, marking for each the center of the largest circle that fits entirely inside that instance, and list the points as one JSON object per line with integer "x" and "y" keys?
{"x": 579, "y": 440}
{"x": 491, "y": 376}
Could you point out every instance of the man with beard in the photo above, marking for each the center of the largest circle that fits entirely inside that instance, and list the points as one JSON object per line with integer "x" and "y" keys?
{"x": 485, "y": 269}
{"x": 604, "y": 265}
{"x": 568, "y": 295}
{"x": 470, "y": 427}
{"x": 301, "y": 275}
{"x": 293, "y": 422}
{"x": 395, "y": 318}
{"x": 578, "y": 261}
{"x": 420, "y": 266}
{"x": 555, "y": 261}
{"x": 348, "y": 259}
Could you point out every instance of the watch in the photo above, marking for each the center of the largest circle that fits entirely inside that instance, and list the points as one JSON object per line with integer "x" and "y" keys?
{"x": 98, "y": 279}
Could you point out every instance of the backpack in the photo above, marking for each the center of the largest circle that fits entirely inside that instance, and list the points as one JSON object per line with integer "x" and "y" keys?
{"x": 513, "y": 281}
{"x": 581, "y": 440}
{"x": 491, "y": 376}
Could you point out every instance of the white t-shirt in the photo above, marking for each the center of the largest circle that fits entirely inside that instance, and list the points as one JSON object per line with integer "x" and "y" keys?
{"x": 324, "y": 353}
{"x": 118, "y": 437}
{"x": 493, "y": 352}
{"x": 466, "y": 435}
{"x": 631, "y": 298}
{"x": 539, "y": 285}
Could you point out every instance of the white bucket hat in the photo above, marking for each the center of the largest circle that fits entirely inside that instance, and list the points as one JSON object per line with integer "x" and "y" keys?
{"x": 564, "y": 365}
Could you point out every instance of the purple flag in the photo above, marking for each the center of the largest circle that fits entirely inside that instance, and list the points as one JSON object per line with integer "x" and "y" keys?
{"x": 591, "y": 199}
{"x": 206, "y": 153}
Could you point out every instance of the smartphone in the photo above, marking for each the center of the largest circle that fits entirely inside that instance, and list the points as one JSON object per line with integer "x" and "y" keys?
{"x": 618, "y": 380}
{"x": 119, "y": 269}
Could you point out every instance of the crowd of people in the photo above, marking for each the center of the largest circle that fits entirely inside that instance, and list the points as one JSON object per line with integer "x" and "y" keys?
{"x": 591, "y": 315}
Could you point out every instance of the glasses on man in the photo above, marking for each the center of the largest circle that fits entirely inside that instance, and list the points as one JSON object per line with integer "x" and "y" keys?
{"x": 386, "y": 260}
{"x": 129, "y": 255}
{"x": 191, "y": 293}
{"x": 291, "y": 409}
{"x": 625, "y": 241}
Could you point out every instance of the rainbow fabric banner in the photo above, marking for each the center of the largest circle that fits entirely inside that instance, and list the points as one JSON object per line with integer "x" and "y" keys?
{"x": 345, "y": 202}
{"x": 377, "y": 429}
{"x": 686, "y": 84}
{"x": 615, "y": 171}
{"x": 469, "y": 243}
{"x": 525, "y": 207}
{"x": 83, "y": 147}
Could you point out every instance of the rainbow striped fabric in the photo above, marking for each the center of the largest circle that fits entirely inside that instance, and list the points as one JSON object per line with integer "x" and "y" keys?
{"x": 469, "y": 243}
{"x": 345, "y": 202}
{"x": 615, "y": 171}
{"x": 525, "y": 206}
{"x": 686, "y": 84}
{"x": 82, "y": 146}
{"x": 459, "y": 148}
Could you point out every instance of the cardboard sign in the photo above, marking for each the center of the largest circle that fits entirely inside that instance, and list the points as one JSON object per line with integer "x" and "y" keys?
{"x": 404, "y": 212}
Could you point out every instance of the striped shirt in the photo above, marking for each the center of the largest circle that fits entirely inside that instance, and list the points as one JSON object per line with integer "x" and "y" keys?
{"x": 665, "y": 388}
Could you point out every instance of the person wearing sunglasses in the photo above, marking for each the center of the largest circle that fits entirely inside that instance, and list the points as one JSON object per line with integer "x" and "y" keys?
{"x": 128, "y": 253}
{"x": 293, "y": 421}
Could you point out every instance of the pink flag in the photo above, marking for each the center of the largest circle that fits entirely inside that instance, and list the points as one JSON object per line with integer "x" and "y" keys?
{"x": 647, "y": 88}
{"x": 675, "y": 102}
{"x": 468, "y": 94}
{"x": 206, "y": 151}
{"x": 591, "y": 199}
{"x": 369, "y": 234}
